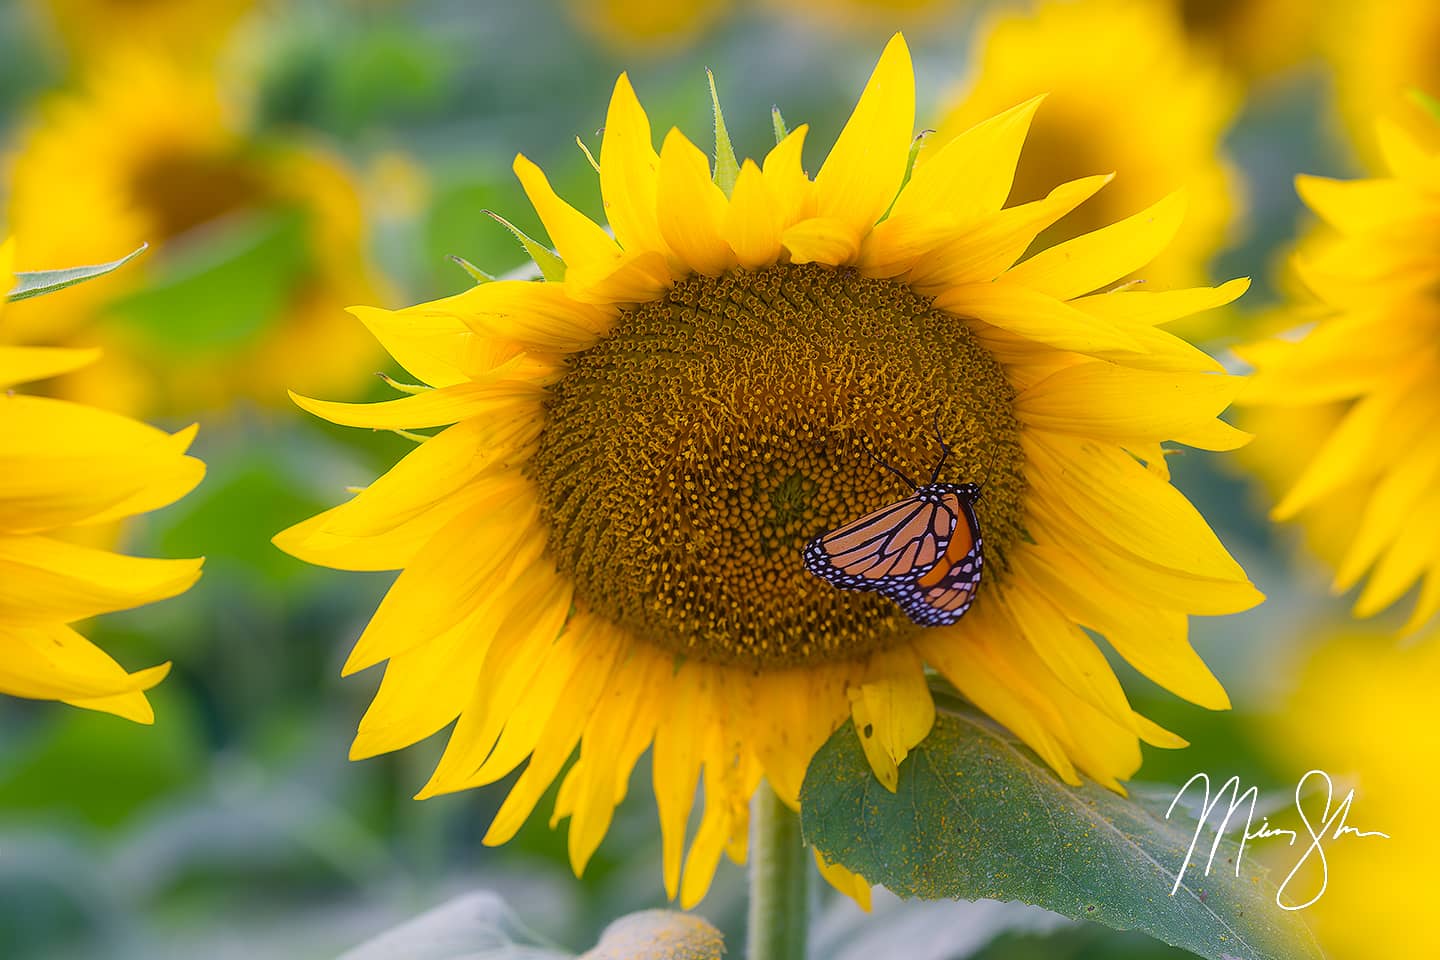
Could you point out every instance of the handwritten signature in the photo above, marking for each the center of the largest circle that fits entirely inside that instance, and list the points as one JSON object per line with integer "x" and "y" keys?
{"x": 1331, "y": 825}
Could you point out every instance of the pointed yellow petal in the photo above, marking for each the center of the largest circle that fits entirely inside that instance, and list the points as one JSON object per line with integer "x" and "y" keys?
{"x": 47, "y": 661}
{"x": 27, "y": 364}
{"x": 970, "y": 176}
{"x": 629, "y": 173}
{"x": 852, "y": 885}
{"x": 859, "y": 179}
{"x": 1150, "y": 309}
{"x": 578, "y": 239}
{"x": 1035, "y": 316}
{"x": 43, "y": 579}
{"x": 692, "y": 208}
{"x": 752, "y": 225}
{"x": 989, "y": 248}
{"x": 1092, "y": 260}
{"x": 432, "y": 408}
{"x": 893, "y": 711}
{"x": 1103, "y": 400}
{"x": 784, "y": 176}
{"x": 676, "y": 763}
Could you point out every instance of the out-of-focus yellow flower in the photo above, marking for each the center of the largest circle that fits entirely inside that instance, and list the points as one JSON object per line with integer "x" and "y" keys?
{"x": 147, "y": 152}
{"x": 1255, "y": 37}
{"x": 1348, "y": 425}
{"x": 603, "y": 547}
{"x": 639, "y": 25}
{"x": 64, "y": 467}
{"x": 1125, "y": 94}
{"x": 1381, "y": 52}
{"x": 190, "y": 30}
{"x": 1364, "y": 712}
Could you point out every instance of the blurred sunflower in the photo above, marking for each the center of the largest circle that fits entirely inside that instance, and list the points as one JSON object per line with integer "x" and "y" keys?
{"x": 65, "y": 466}
{"x": 1347, "y": 409}
{"x": 1254, "y": 37}
{"x": 1364, "y": 712}
{"x": 1125, "y": 93}
{"x": 88, "y": 29}
{"x": 270, "y": 236}
{"x": 638, "y": 25}
{"x": 604, "y": 550}
{"x": 1382, "y": 51}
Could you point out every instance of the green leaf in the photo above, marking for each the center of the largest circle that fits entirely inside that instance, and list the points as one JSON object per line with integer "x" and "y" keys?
{"x": 476, "y": 926}
{"x": 552, "y": 268}
{"x": 223, "y": 287}
{"x": 727, "y": 168}
{"x": 978, "y": 816}
{"x": 40, "y": 282}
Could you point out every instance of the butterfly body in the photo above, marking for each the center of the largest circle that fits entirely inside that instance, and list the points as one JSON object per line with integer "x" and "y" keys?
{"x": 924, "y": 552}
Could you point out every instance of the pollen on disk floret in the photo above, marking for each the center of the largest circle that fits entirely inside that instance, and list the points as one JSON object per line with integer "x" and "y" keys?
{"x": 689, "y": 456}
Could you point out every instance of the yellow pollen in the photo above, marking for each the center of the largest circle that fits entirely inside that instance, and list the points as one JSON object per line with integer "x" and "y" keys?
{"x": 688, "y": 457}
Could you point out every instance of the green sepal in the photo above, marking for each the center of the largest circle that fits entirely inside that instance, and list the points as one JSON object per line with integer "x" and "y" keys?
{"x": 37, "y": 283}
{"x": 552, "y": 268}
{"x": 778, "y": 122}
{"x": 727, "y": 168}
{"x": 476, "y": 274}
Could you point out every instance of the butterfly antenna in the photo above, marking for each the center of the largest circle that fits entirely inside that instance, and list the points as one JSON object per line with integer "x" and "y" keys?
{"x": 871, "y": 453}
{"x": 988, "y": 467}
{"x": 944, "y": 450}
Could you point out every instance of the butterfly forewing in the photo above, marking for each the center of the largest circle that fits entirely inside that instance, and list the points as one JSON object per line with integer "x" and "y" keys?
{"x": 924, "y": 552}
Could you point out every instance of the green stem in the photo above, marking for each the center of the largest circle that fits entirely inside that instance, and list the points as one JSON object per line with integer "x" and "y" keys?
{"x": 779, "y": 913}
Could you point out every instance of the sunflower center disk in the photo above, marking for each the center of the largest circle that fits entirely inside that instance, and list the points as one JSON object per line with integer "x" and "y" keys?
{"x": 688, "y": 457}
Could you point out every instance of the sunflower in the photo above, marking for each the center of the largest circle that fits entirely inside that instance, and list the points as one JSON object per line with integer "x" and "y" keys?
{"x": 1126, "y": 93}
{"x": 1364, "y": 712}
{"x": 602, "y": 550}
{"x": 1345, "y": 411}
{"x": 68, "y": 466}
{"x": 1256, "y": 38}
{"x": 148, "y": 152}
{"x": 87, "y": 29}
{"x": 1382, "y": 52}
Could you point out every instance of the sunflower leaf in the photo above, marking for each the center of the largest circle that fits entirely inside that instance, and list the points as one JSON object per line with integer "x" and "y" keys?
{"x": 476, "y": 926}
{"x": 552, "y": 268}
{"x": 39, "y": 282}
{"x": 727, "y": 168}
{"x": 978, "y": 816}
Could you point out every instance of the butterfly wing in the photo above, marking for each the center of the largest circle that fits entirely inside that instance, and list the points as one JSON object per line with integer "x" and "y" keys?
{"x": 889, "y": 546}
{"x": 941, "y": 595}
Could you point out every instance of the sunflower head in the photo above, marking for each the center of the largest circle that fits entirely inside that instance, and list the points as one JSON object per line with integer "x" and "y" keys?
{"x": 1344, "y": 413}
{"x": 601, "y": 551}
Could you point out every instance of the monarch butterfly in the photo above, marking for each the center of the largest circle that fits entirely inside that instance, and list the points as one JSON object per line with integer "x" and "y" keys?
{"x": 924, "y": 551}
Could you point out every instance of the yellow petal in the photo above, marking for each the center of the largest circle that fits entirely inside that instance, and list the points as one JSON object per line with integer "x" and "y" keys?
{"x": 827, "y": 240}
{"x": 627, "y": 278}
{"x": 1092, "y": 260}
{"x": 893, "y": 711}
{"x": 676, "y": 761}
{"x": 27, "y": 364}
{"x": 1103, "y": 400}
{"x": 784, "y": 174}
{"x": 692, "y": 208}
{"x": 52, "y": 662}
{"x": 1408, "y": 557}
{"x": 1392, "y": 505}
{"x": 481, "y": 551}
{"x": 988, "y": 249}
{"x": 970, "y": 176}
{"x": 1355, "y": 206}
{"x": 578, "y": 239}
{"x": 859, "y": 179}
{"x": 1103, "y": 486}
{"x": 43, "y": 579}
{"x": 792, "y": 713}
{"x": 1035, "y": 316}
{"x": 852, "y": 885}
{"x": 629, "y": 173}
{"x": 537, "y": 315}
{"x": 433, "y": 408}
{"x": 1152, "y": 639}
{"x": 1150, "y": 309}
{"x": 752, "y": 224}
{"x": 432, "y": 347}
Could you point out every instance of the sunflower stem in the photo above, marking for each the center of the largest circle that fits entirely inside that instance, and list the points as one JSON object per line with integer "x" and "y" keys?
{"x": 779, "y": 911}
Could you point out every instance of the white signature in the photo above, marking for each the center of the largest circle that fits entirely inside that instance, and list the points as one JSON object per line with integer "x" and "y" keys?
{"x": 1318, "y": 831}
